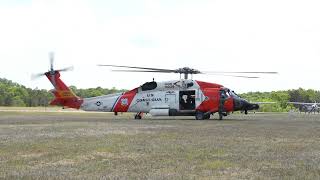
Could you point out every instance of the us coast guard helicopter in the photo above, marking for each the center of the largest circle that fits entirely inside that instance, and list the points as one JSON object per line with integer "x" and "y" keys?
{"x": 183, "y": 97}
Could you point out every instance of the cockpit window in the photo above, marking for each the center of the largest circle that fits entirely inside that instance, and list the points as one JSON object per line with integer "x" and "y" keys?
{"x": 149, "y": 86}
{"x": 228, "y": 94}
{"x": 233, "y": 94}
{"x": 224, "y": 93}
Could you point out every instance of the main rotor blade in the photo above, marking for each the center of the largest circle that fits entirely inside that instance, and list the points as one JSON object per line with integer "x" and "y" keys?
{"x": 136, "y": 67}
{"x": 251, "y": 77}
{"x": 238, "y": 72}
{"x": 154, "y": 71}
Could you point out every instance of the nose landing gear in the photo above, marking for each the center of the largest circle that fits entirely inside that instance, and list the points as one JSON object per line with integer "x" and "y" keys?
{"x": 222, "y": 114}
{"x": 201, "y": 115}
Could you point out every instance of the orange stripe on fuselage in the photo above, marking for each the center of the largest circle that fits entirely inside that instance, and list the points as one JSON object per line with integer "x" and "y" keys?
{"x": 124, "y": 101}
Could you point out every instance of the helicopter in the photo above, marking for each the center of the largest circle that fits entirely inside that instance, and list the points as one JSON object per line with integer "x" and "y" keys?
{"x": 182, "y": 97}
{"x": 307, "y": 107}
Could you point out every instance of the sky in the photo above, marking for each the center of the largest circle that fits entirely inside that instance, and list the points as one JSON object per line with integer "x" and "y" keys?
{"x": 208, "y": 35}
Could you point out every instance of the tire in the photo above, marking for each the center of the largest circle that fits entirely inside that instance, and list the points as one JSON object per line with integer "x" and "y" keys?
{"x": 137, "y": 117}
{"x": 199, "y": 115}
{"x": 207, "y": 116}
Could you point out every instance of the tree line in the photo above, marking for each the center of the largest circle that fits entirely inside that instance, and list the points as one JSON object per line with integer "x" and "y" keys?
{"x": 14, "y": 94}
{"x": 281, "y": 98}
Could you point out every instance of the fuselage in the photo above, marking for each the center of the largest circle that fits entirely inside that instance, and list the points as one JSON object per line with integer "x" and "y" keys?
{"x": 168, "y": 98}
{"x": 180, "y": 97}
{"x": 310, "y": 108}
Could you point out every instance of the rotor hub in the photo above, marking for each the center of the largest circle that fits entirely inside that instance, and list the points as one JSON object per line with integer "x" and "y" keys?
{"x": 186, "y": 71}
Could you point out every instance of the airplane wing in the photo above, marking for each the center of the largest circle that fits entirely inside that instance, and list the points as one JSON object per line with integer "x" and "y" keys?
{"x": 302, "y": 103}
{"x": 264, "y": 102}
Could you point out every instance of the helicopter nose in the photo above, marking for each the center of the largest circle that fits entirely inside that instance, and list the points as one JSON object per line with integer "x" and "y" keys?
{"x": 238, "y": 104}
{"x": 242, "y": 105}
{"x": 252, "y": 106}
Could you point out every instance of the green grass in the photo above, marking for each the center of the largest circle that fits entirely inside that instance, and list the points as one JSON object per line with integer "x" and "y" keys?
{"x": 217, "y": 165}
{"x": 38, "y": 145}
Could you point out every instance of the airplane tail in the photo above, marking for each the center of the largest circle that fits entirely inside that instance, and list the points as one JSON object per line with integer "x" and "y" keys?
{"x": 64, "y": 96}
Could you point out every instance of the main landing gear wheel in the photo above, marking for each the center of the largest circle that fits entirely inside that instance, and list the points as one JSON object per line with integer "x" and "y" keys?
{"x": 138, "y": 115}
{"x": 200, "y": 115}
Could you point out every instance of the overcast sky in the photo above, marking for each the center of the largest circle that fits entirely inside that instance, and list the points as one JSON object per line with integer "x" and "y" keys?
{"x": 226, "y": 35}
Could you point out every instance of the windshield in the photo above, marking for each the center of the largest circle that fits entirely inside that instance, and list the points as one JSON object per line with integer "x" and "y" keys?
{"x": 233, "y": 94}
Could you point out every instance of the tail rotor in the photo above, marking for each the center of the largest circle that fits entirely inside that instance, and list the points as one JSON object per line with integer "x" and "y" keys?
{"x": 51, "y": 72}
{"x": 62, "y": 93}
{"x": 51, "y": 57}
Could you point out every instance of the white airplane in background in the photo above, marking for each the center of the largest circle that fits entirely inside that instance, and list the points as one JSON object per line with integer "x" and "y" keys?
{"x": 307, "y": 107}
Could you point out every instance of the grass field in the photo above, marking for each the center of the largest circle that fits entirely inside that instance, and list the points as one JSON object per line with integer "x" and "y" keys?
{"x": 58, "y": 145}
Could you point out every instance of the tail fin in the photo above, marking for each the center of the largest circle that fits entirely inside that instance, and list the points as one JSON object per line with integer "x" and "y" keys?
{"x": 63, "y": 94}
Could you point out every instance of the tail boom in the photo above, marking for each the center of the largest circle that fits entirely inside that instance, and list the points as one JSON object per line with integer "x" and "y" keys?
{"x": 63, "y": 94}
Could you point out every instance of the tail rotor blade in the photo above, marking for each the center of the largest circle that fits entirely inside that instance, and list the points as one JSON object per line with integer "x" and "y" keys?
{"x": 52, "y": 71}
{"x": 66, "y": 69}
{"x": 35, "y": 76}
{"x": 51, "y": 56}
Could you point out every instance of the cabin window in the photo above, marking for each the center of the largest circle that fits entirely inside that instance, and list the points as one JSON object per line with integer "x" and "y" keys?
{"x": 187, "y": 100}
{"x": 149, "y": 86}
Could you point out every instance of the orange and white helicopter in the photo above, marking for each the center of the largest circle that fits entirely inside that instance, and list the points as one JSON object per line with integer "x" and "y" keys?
{"x": 183, "y": 97}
